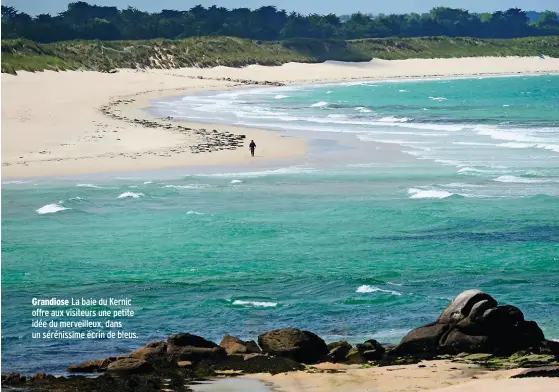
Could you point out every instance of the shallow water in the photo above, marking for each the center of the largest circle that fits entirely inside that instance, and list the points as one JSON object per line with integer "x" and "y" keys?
{"x": 349, "y": 251}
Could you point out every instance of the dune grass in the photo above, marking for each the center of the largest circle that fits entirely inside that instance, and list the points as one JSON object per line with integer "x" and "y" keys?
{"x": 237, "y": 52}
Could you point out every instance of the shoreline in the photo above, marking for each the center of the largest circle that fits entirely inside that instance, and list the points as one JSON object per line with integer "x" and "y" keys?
{"x": 497, "y": 349}
{"x": 142, "y": 142}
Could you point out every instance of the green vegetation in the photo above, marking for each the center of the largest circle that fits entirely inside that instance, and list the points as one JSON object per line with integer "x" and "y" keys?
{"x": 517, "y": 360}
{"x": 235, "y": 52}
{"x": 84, "y": 21}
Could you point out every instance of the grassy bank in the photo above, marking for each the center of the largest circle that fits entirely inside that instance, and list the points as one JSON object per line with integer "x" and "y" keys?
{"x": 213, "y": 51}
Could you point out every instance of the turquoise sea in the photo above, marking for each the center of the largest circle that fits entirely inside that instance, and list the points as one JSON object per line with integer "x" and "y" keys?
{"x": 412, "y": 192}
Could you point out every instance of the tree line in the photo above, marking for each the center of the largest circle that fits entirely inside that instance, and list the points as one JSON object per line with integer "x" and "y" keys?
{"x": 84, "y": 21}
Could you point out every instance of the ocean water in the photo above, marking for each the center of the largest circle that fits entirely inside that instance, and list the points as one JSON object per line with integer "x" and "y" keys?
{"x": 357, "y": 249}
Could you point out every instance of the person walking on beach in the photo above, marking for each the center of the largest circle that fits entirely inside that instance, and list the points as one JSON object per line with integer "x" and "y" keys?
{"x": 252, "y": 146}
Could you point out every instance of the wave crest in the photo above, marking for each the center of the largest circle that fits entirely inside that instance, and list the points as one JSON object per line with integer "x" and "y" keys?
{"x": 51, "y": 208}
{"x": 363, "y": 289}
{"x": 132, "y": 195}
{"x": 428, "y": 194}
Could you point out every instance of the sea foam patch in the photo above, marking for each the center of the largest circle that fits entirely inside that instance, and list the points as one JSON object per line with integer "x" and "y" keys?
{"x": 258, "y": 304}
{"x": 51, "y": 208}
{"x": 132, "y": 195}
{"x": 263, "y": 173}
{"x": 416, "y": 193}
{"x": 89, "y": 186}
{"x": 363, "y": 289}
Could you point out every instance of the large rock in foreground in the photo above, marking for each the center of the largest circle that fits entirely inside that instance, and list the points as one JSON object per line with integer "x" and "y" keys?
{"x": 301, "y": 346}
{"x": 474, "y": 323}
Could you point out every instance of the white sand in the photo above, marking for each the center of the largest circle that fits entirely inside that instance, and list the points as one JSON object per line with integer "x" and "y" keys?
{"x": 52, "y": 125}
{"x": 439, "y": 376}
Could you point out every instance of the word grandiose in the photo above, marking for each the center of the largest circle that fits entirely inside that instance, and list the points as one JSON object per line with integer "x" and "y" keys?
{"x": 82, "y": 301}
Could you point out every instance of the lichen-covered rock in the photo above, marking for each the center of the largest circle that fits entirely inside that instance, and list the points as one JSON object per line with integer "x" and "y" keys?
{"x": 12, "y": 378}
{"x": 97, "y": 365}
{"x": 234, "y": 345}
{"x": 129, "y": 366}
{"x": 355, "y": 357}
{"x": 150, "y": 351}
{"x": 544, "y": 371}
{"x": 301, "y": 346}
{"x": 337, "y": 351}
{"x": 188, "y": 347}
{"x": 371, "y": 350}
{"x": 473, "y": 323}
{"x": 458, "y": 342}
{"x": 187, "y": 339}
{"x": 194, "y": 354}
{"x": 422, "y": 340}
{"x": 461, "y": 306}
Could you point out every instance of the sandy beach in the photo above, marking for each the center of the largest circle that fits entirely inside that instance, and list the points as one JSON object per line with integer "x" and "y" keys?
{"x": 440, "y": 376}
{"x": 71, "y": 123}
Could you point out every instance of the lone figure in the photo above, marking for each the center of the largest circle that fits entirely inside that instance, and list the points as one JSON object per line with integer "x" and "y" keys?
{"x": 252, "y": 146}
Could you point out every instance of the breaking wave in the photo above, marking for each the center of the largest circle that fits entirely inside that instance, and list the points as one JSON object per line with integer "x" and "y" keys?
{"x": 371, "y": 289}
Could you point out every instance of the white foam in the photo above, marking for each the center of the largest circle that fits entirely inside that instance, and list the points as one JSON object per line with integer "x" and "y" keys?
{"x": 363, "y": 109}
{"x": 471, "y": 170}
{"x": 517, "y": 135}
{"x": 280, "y": 96}
{"x": 428, "y": 194}
{"x": 462, "y": 185}
{"x": 371, "y": 289}
{"x": 89, "y": 186}
{"x": 236, "y": 181}
{"x": 194, "y": 213}
{"x": 51, "y": 208}
{"x": 336, "y": 116}
{"x": 320, "y": 104}
{"x": 14, "y": 182}
{"x": 77, "y": 198}
{"x": 328, "y": 92}
{"x": 132, "y": 195}
{"x": 255, "y": 303}
{"x": 474, "y": 144}
{"x": 521, "y": 180}
{"x": 392, "y": 119}
{"x": 403, "y": 91}
{"x": 148, "y": 182}
{"x": 188, "y": 186}
{"x": 437, "y": 98}
{"x": 285, "y": 170}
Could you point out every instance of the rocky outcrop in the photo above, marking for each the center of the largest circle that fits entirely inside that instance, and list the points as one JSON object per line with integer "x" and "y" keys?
{"x": 151, "y": 351}
{"x": 129, "y": 366}
{"x": 255, "y": 363}
{"x": 188, "y": 347}
{"x": 12, "y": 378}
{"x": 474, "y": 323}
{"x": 301, "y": 346}
{"x": 337, "y": 351}
{"x": 97, "y": 365}
{"x": 545, "y": 371}
{"x": 234, "y": 345}
{"x": 371, "y": 350}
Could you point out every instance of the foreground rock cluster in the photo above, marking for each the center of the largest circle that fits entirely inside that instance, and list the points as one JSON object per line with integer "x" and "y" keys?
{"x": 473, "y": 328}
{"x": 475, "y": 323}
